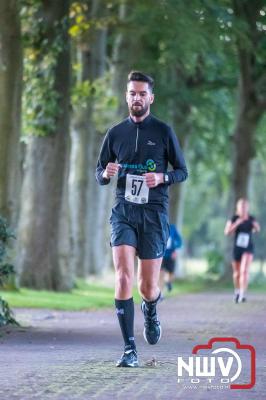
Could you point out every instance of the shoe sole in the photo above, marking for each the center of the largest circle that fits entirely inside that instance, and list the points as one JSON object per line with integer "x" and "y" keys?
{"x": 135, "y": 365}
{"x": 145, "y": 337}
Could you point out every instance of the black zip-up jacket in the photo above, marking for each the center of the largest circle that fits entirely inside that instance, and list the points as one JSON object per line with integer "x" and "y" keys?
{"x": 139, "y": 148}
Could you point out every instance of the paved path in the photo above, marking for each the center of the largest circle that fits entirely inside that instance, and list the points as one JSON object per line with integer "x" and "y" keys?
{"x": 70, "y": 355}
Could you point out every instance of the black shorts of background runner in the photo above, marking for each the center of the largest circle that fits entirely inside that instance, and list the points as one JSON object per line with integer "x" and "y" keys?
{"x": 168, "y": 265}
{"x": 238, "y": 253}
{"x": 146, "y": 229}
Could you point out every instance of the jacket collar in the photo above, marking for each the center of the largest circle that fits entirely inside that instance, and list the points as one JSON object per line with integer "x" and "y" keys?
{"x": 142, "y": 123}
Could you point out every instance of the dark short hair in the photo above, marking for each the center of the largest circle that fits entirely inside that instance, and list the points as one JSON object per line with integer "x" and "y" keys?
{"x": 140, "y": 77}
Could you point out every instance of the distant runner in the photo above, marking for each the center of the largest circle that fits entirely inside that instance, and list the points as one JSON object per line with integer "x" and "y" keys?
{"x": 174, "y": 242}
{"x": 138, "y": 150}
{"x": 242, "y": 225}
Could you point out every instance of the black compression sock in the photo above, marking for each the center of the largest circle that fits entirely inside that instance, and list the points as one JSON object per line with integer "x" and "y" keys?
{"x": 125, "y": 314}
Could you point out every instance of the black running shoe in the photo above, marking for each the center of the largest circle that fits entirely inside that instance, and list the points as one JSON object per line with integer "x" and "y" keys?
{"x": 244, "y": 299}
{"x": 128, "y": 359}
{"x": 152, "y": 328}
{"x": 236, "y": 298}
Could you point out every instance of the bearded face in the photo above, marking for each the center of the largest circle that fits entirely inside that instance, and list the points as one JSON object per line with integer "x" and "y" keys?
{"x": 139, "y": 98}
{"x": 137, "y": 109}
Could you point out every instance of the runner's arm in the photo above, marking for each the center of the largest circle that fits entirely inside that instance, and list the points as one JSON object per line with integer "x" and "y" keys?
{"x": 106, "y": 155}
{"x": 231, "y": 226}
{"x": 256, "y": 226}
{"x": 176, "y": 159}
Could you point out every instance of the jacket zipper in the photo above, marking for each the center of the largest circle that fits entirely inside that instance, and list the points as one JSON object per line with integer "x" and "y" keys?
{"x": 137, "y": 138}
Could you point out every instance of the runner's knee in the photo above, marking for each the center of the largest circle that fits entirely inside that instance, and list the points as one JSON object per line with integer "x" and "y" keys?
{"x": 148, "y": 290}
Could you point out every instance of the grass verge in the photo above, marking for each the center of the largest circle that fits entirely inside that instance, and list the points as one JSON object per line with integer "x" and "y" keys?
{"x": 85, "y": 296}
{"x": 90, "y": 296}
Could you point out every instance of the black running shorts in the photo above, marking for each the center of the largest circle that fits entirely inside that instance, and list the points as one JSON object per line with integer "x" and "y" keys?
{"x": 143, "y": 228}
{"x": 168, "y": 265}
{"x": 238, "y": 253}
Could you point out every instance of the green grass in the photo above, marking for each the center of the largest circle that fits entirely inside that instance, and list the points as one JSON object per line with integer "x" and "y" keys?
{"x": 87, "y": 296}
{"x": 84, "y": 297}
{"x": 203, "y": 283}
{"x": 182, "y": 286}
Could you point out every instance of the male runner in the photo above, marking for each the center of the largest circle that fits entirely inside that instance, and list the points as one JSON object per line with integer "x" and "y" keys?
{"x": 138, "y": 150}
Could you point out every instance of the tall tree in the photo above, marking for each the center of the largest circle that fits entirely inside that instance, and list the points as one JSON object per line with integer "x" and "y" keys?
{"x": 80, "y": 134}
{"x": 90, "y": 98}
{"x": 43, "y": 236}
{"x": 103, "y": 112}
{"x": 249, "y": 40}
{"x": 251, "y": 90}
{"x": 10, "y": 109}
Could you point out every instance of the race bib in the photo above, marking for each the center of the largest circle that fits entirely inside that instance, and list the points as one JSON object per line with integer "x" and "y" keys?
{"x": 242, "y": 240}
{"x": 136, "y": 189}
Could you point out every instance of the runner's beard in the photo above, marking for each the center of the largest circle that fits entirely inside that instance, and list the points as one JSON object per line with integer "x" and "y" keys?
{"x": 139, "y": 112}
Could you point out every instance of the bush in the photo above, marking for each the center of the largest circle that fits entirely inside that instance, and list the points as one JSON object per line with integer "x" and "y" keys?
{"x": 215, "y": 262}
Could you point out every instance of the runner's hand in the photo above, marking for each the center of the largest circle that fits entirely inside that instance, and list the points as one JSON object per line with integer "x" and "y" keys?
{"x": 111, "y": 170}
{"x": 153, "y": 179}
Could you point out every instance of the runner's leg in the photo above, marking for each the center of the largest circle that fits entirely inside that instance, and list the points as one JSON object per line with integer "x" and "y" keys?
{"x": 170, "y": 280}
{"x": 236, "y": 276}
{"x": 148, "y": 279}
{"x": 246, "y": 260}
{"x": 162, "y": 279}
{"x": 123, "y": 257}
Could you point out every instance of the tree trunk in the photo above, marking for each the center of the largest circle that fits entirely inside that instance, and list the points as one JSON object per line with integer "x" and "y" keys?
{"x": 249, "y": 95}
{"x": 180, "y": 110}
{"x": 84, "y": 194}
{"x": 10, "y": 106}
{"x": 121, "y": 61}
{"x": 43, "y": 237}
{"x": 177, "y": 192}
{"x": 96, "y": 198}
{"x": 248, "y": 117}
{"x": 78, "y": 180}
